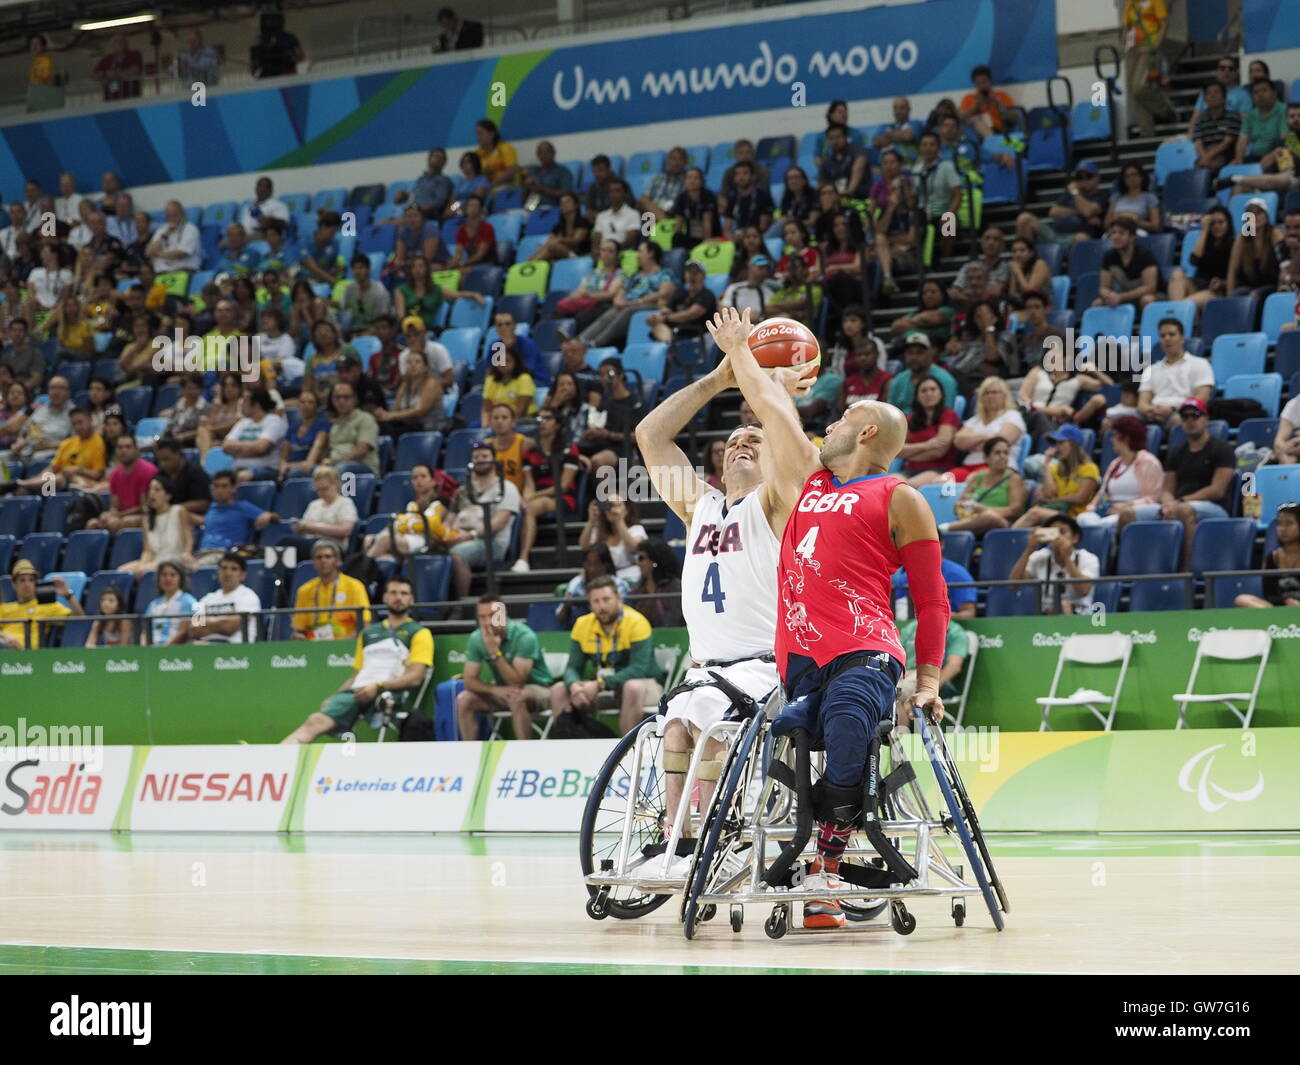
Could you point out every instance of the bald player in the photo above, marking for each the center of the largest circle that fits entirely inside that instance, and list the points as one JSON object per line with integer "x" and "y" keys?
{"x": 848, "y": 526}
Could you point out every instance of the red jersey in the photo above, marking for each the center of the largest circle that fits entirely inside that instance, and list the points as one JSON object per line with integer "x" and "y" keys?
{"x": 837, "y": 561}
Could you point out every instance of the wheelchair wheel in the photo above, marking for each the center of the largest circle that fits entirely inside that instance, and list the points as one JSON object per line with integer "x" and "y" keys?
{"x": 719, "y": 853}
{"x": 602, "y": 823}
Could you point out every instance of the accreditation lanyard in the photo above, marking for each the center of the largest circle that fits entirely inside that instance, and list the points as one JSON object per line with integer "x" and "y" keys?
{"x": 600, "y": 647}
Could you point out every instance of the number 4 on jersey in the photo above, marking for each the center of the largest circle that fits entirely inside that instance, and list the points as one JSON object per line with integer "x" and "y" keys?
{"x": 809, "y": 543}
{"x": 713, "y": 592}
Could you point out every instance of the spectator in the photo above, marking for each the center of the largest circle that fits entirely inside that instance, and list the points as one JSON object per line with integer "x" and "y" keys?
{"x": 551, "y": 468}
{"x": 1145, "y": 45}
{"x": 918, "y": 354}
{"x": 1286, "y": 444}
{"x": 987, "y": 110}
{"x": 508, "y": 384}
{"x": 1281, "y": 590}
{"x": 610, "y": 651}
{"x": 895, "y": 199}
{"x": 135, "y": 251}
{"x": 228, "y": 524}
{"x": 119, "y": 70}
{"x": 418, "y": 295}
{"x": 1052, "y": 554}
{"x": 1167, "y": 382}
{"x": 799, "y": 298}
{"x": 363, "y": 300}
{"x": 114, "y": 426}
{"x": 1258, "y": 70}
{"x": 228, "y": 613}
{"x": 17, "y": 636}
{"x": 996, "y": 272}
{"x": 960, "y": 147}
{"x": 600, "y": 175}
{"x": 660, "y": 584}
{"x": 510, "y": 448}
{"x": 956, "y": 649}
{"x": 176, "y": 244}
{"x": 485, "y": 486}
{"x": 329, "y": 588}
{"x": 1215, "y": 129}
{"x": 571, "y": 235}
{"x": 1279, "y": 167}
{"x": 928, "y": 452}
{"x": 981, "y": 349}
{"x": 73, "y": 332}
{"x": 798, "y": 200}
{"x": 44, "y": 82}
{"x": 305, "y": 442}
{"x": 862, "y": 362}
{"x": 14, "y": 412}
{"x": 795, "y": 235}
{"x": 1069, "y": 482}
{"x": 1134, "y": 198}
{"x": 1198, "y": 477}
{"x": 1129, "y": 272}
{"x": 472, "y": 182}
{"x": 643, "y": 290}
{"x": 167, "y": 535}
{"x": 1026, "y": 272}
{"x": 610, "y": 424}
{"x": 99, "y": 398}
{"x": 457, "y": 34}
{"x": 620, "y": 221}
{"x": 1237, "y": 98}
{"x": 354, "y": 436}
{"x": 565, "y": 400}
{"x": 370, "y": 396}
{"x": 198, "y": 62}
{"x": 171, "y": 610}
{"x": 1211, "y": 256}
{"x": 995, "y": 417}
{"x": 613, "y": 522}
{"x": 67, "y": 205}
{"x": 594, "y": 297}
{"x": 749, "y": 243}
{"x": 23, "y": 357}
{"x": 433, "y": 190}
{"x": 1077, "y": 213}
{"x": 435, "y": 354}
{"x": 276, "y": 52}
{"x": 113, "y": 628}
{"x": 393, "y": 655}
{"x": 819, "y": 407}
{"x": 499, "y": 159}
{"x": 597, "y": 562}
{"x": 712, "y": 463}
{"x": 79, "y": 458}
{"x": 280, "y": 256}
{"x": 747, "y": 202}
{"x": 1253, "y": 264}
{"x": 322, "y": 369}
{"x": 696, "y": 211}
{"x": 993, "y": 497}
{"x": 476, "y": 240}
{"x": 1133, "y": 478}
{"x": 420, "y": 527}
{"x": 46, "y": 284}
{"x": 899, "y": 135}
{"x": 1049, "y": 398}
{"x": 755, "y": 292}
{"x": 505, "y": 672}
{"x": 278, "y": 349}
{"x": 254, "y": 441}
{"x": 417, "y": 404}
{"x": 49, "y": 424}
{"x": 939, "y": 189}
{"x": 743, "y": 152}
{"x": 845, "y": 165}
{"x": 547, "y": 181}
{"x": 685, "y": 314}
{"x": 666, "y": 186}
{"x": 222, "y": 413}
{"x": 530, "y": 356}
{"x": 1263, "y": 127}
{"x": 961, "y": 601}
{"x": 321, "y": 260}
{"x": 844, "y": 261}
{"x": 121, "y": 222}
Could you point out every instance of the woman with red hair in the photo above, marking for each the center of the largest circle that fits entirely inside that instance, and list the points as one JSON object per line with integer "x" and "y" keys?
{"x": 1135, "y": 476}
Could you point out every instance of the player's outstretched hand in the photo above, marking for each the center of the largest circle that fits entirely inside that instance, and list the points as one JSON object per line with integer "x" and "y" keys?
{"x": 730, "y": 329}
{"x": 794, "y": 380}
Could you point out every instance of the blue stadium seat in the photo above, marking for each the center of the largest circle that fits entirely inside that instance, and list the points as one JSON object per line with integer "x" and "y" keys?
{"x": 1086, "y": 256}
{"x": 1279, "y": 308}
{"x": 135, "y": 402}
{"x": 1276, "y": 485}
{"x": 1187, "y": 192}
{"x": 551, "y": 333}
{"x": 165, "y": 398}
{"x": 216, "y": 460}
{"x": 1238, "y": 353}
{"x": 260, "y": 493}
{"x": 462, "y": 343}
{"x": 75, "y": 633}
{"x": 128, "y": 545}
{"x": 1162, "y": 248}
{"x": 396, "y": 491}
{"x": 1114, "y": 321}
{"x": 77, "y": 373}
{"x": 7, "y": 546}
{"x": 646, "y": 358}
{"x": 203, "y": 581}
{"x": 943, "y": 500}
{"x": 293, "y": 498}
{"x": 1286, "y": 357}
{"x": 1258, "y": 431}
{"x": 54, "y": 512}
{"x": 484, "y": 279}
{"x": 1172, "y": 156}
{"x": 1226, "y": 590}
{"x": 417, "y": 447}
{"x": 1003, "y": 184}
{"x": 432, "y": 580}
{"x": 1185, "y": 254}
{"x": 459, "y": 445}
{"x": 1227, "y": 315}
{"x": 508, "y": 226}
{"x": 41, "y": 550}
{"x": 85, "y": 551}
{"x": 541, "y": 617}
{"x": 1098, "y": 539}
{"x": 1149, "y": 547}
{"x": 522, "y": 305}
{"x": 1237, "y": 205}
{"x": 541, "y": 222}
{"x": 1265, "y": 388}
{"x": 1222, "y": 544}
{"x": 18, "y": 515}
{"x": 465, "y": 313}
{"x": 363, "y": 492}
{"x": 1052, "y": 254}
{"x": 507, "y": 199}
{"x": 273, "y": 532}
{"x": 1159, "y": 595}
{"x": 219, "y": 214}
{"x": 1012, "y": 601}
{"x": 959, "y": 547}
{"x": 1089, "y": 122}
{"x": 576, "y": 168}
{"x": 1049, "y": 139}
{"x": 366, "y": 196}
{"x": 567, "y": 274}
{"x": 373, "y": 238}
{"x": 1060, "y": 292}
{"x": 1152, "y": 313}
{"x": 1001, "y": 549}
{"x": 329, "y": 200}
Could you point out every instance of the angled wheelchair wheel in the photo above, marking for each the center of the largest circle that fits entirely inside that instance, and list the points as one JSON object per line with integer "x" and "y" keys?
{"x": 603, "y": 818}
{"x": 721, "y": 851}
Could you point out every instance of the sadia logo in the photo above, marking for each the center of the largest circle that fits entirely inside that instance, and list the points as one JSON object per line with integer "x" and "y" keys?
{"x": 73, "y": 792}
{"x": 323, "y": 785}
{"x": 1204, "y": 785}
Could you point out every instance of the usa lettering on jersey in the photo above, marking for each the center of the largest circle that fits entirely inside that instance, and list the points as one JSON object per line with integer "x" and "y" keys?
{"x": 713, "y": 540}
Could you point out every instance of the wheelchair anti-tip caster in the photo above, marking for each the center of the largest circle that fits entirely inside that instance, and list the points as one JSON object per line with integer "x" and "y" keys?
{"x": 904, "y": 923}
{"x": 597, "y": 905}
{"x": 707, "y": 913}
{"x": 778, "y": 923}
{"x": 958, "y": 913}
{"x": 737, "y": 918}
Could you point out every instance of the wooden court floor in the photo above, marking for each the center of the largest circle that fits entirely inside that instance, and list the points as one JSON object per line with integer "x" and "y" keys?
{"x": 75, "y": 902}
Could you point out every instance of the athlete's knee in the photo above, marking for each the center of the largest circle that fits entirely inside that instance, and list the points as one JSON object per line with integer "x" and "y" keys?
{"x": 677, "y": 737}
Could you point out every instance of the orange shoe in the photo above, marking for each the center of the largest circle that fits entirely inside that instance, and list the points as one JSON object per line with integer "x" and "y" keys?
{"x": 823, "y": 913}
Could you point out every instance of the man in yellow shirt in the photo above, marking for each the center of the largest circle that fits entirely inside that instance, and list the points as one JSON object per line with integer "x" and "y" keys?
{"x": 393, "y": 655}
{"x": 14, "y": 635}
{"x": 329, "y": 588}
{"x": 81, "y": 455}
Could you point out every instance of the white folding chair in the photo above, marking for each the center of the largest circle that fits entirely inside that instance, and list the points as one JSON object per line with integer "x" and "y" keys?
{"x": 1092, "y": 650}
{"x": 957, "y": 711}
{"x": 555, "y": 662}
{"x": 1234, "y": 645}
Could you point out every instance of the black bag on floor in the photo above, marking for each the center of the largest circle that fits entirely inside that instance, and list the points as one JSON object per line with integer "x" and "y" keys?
{"x": 416, "y": 728}
{"x": 578, "y": 725}
{"x": 1236, "y": 411}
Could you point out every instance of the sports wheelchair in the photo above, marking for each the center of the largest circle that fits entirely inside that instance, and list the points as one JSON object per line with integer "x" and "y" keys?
{"x": 757, "y": 833}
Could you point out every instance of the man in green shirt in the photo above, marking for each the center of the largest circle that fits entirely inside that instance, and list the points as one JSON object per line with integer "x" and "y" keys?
{"x": 956, "y": 649}
{"x": 1263, "y": 127}
{"x": 354, "y": 436}
{"x": 918, "y": 355}
{"x": 940, "y": 187}
{"x": 504, "y": 670}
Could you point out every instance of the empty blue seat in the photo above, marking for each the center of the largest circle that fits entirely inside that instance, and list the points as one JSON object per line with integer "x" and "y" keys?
{"x": 1187, "y": 192}
{"x": 1149, "y": 547}
{"x": 294, "y": 497}
{"x": 1002, "y": 547}
{"x": 260, "y": 493}
{"x": 7, "y": 546}
{"x": 1105, "y": 321}
{"x": 18, "y": 515}
{"x": 1238, "y": 353}
{"x": 1090, "y": 122}
{"x": 1258, "y": 431}
{"x": 484, "y": 279}
{"x": 1172, "y": 156}
{"x": 1279, "y": 308}
{"x": 41, "y": 550}
{"x": 135, "y": 402}
{"x": 522, "y": 305}
{"x": 85, "y": 551}
{"x": 1227, "y": 315}
{"x": 541, "y": 617}
{"x": 1286, "y": 357}
{"x": 396, "y": 491}
{"x": 459, "y": 445}
{"x": 541, "y": 222}
{"x": 943, "y": 500}
{"x": 1009, "y": 601}
{"x": 54, "y": 512}
{"x": 959, "y": 547}
{"x": 1003, "y": 184}
{"x": 1172, "y": 594}
{"x": 203, "y": 581}
{"x": 567, "y": 274}
{"x": 1154, "y": 313}
{"x": 1086, "y": 256}
{"x": 128, "y": 545}
{"x": 1264, "y": 388}
{"x": 1226, "y": 589}
{"x": 550, "y": 333}
{"x": 1276, "y": 485}
{"x": 462, "y": 344}
{"x": 647, "y": 359}
{"x": 1162, "y": 248}
{"x": 1222, "y": 544}
{"x": 1098, "y": 540}
{"x": 417, "y": 447}
{"x": 432, "y": 580}
{"x": 467, "y": 313}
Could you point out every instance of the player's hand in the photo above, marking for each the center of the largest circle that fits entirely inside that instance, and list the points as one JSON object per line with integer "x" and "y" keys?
{"x": 730, "y": 329}
{"x": 794, "y": 379}
{"x": 725, "y": 373}
{"x": 926, "y": 701}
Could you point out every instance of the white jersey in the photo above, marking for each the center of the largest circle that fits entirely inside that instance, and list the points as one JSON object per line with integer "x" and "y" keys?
{"x": 729, "y": 580}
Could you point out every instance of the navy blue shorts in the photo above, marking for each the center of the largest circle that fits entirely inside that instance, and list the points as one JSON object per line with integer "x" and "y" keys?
{"x": 840, "y": 706}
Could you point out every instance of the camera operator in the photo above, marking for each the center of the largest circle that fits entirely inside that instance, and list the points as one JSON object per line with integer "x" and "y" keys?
{"x": 275, "y": 53}
{"x": 1053, "y": 554}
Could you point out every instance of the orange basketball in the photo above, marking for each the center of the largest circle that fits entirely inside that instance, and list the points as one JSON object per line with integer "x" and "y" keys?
{"x": 785, "y": 342}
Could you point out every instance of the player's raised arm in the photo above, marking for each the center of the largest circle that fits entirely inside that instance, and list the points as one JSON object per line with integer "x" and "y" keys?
{"x": 788, "y": 456}
{"x": 671, "y": 472}
{"x": 911, "y": 522}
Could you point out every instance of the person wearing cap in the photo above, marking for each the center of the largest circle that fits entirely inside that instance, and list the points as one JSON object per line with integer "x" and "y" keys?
{"x": 15, "y": 635}
{"x": 649, "y": 287}
{"x": 363, "y": 299}
{"x": 1069, "y": 482}
{"x": 329, "y": 588}
{"x": 1198, "y": 477}
{"x": 1168, "y": 381}
{"x": 755, "y": 292}
{"x": 918, "y": 355}
{"x": 1253, "y": 263}
{"x": 690, "y": 307}
{"x": 436, "y": 355}
{"x": 1053, "y": 554}
{"x": 1077, "y": 213}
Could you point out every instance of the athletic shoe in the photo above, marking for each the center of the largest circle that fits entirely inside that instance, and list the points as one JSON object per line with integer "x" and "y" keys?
{"x": 520, "y": 566}
{"x": 827, "y": 912}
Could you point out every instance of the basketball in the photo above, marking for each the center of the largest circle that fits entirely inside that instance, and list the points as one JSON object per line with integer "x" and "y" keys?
{"x": 785, "y": 342}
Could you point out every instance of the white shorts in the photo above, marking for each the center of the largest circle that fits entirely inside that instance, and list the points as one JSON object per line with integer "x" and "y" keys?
{"x": 704, "y": 706}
